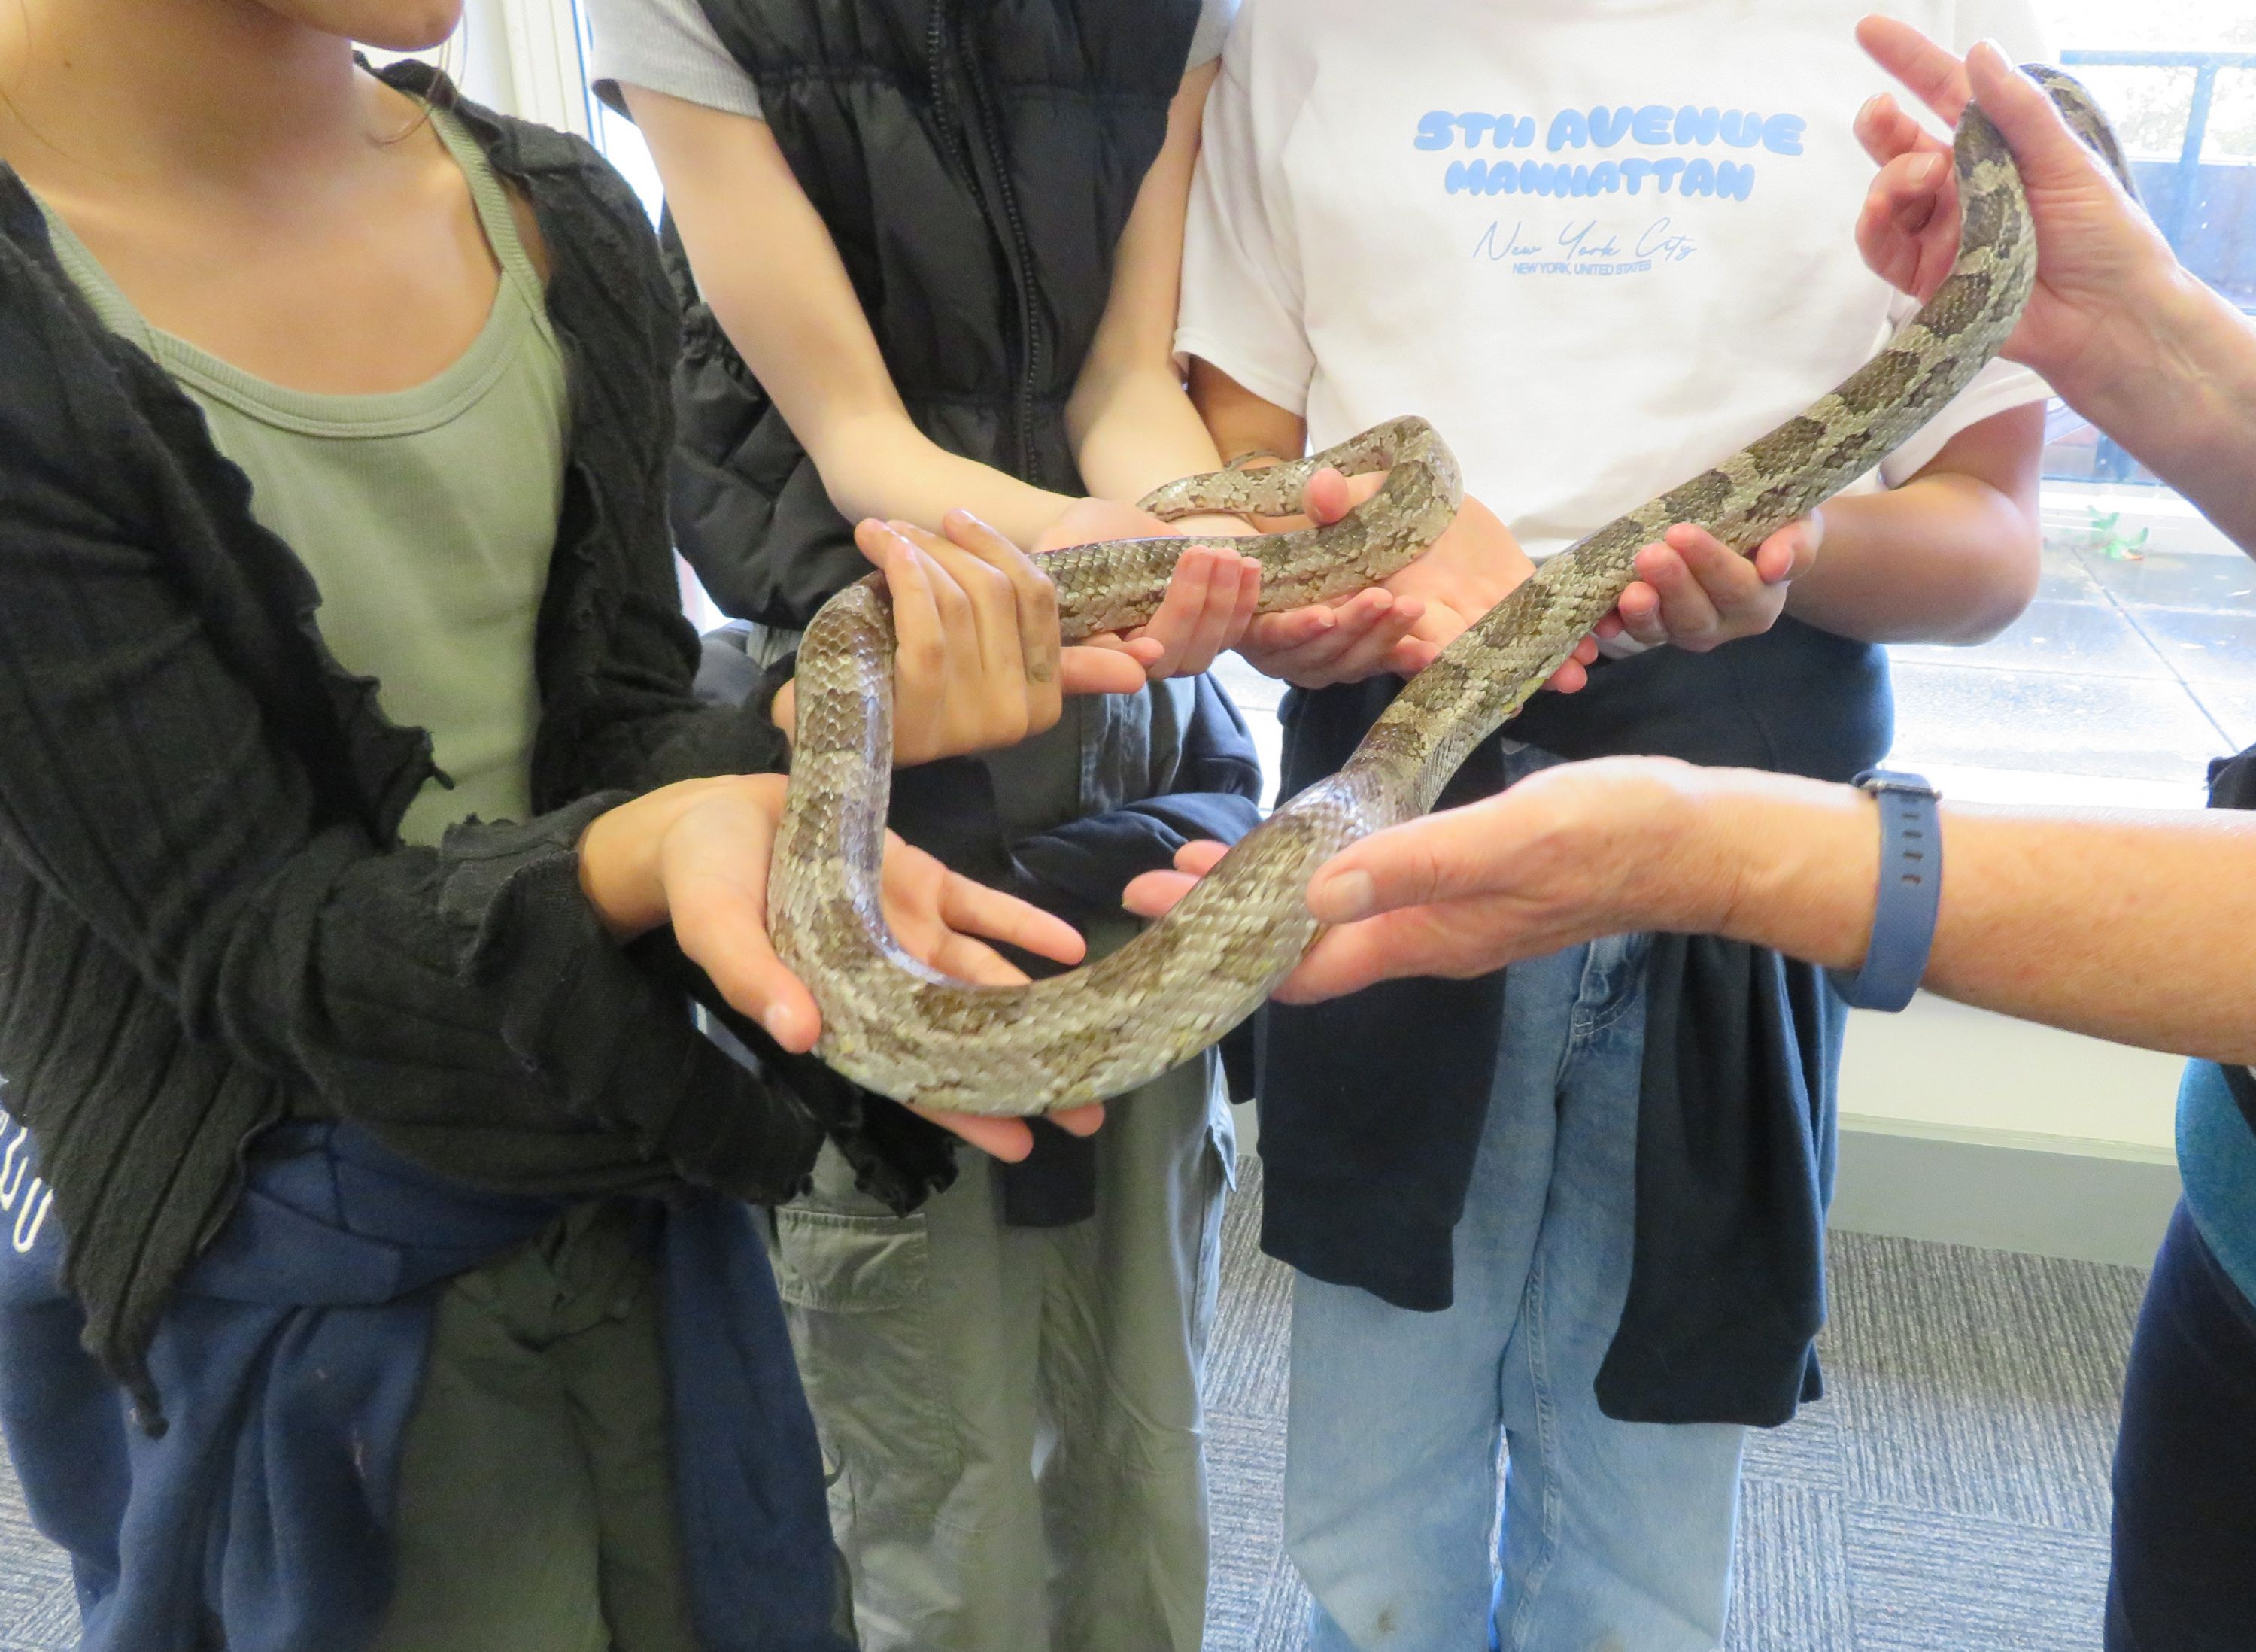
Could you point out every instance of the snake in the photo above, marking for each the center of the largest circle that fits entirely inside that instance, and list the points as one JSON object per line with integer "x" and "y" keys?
{"x": 897, "y": 1027}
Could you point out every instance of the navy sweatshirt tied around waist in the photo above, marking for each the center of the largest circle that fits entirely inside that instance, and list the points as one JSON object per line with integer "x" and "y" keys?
{"x": 1372, "y": 1104}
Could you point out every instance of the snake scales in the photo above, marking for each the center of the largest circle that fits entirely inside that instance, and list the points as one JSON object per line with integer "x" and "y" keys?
{"x": 899, "y": 1028}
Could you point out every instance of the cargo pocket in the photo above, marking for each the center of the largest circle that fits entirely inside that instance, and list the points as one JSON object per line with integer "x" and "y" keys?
{"x": 854, "y": 1288}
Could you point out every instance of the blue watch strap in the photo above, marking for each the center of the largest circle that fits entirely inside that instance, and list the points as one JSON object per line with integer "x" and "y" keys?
{"x": 1910, "y": 893}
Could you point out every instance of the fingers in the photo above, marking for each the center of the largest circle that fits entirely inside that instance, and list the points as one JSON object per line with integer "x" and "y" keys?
{"x": 1907, "y": 229}
{"x": 1695, "y": 592}
{"x": 1936, "y": 77}
{"x": 978, "y": 605}
{"x": 972, "y": 908}
{"x": 1438, "y": 858}
{"x": 1358, "y": 642}
{"x": 1347, "y": 960}
{"x": 1035, "y": 598}
{"x": 1155, "y": 893}
{"x": 1090, "y": 668}
{"x": 1330, "y": 496}
{"x": 1270, "y": 635}
{"x": 920, "y": 641}
{"x": 1888, "y": 131}
{"x": 2048, "y": 152}
{"x": 1669, "y": 603}
{"x": 714, "y": 865}
{"x": 1791, "y": 552}
{"x": 1211, "y": 599}
{"x": 1008, "y": 1139}
{"x": 1575, "y": 675}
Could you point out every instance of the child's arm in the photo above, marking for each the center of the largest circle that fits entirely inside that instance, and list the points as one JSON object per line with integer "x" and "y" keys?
{"x": 1949, "y": 556}
{"x": 767, "y": 266}
{"x": 1133, "y": 427}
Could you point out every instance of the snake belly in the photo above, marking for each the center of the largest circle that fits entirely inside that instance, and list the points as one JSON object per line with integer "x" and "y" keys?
{"x": 899, "y": 1028}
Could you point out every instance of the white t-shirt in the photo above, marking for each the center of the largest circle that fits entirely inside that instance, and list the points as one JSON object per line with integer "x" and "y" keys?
{"x": 1600, "y": 243}
{"x": 670, "y": 47}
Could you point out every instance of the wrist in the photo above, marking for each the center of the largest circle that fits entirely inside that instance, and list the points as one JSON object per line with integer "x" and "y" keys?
{"x": 618, "y": 871}
{"x": 1802, "y": 865}
{"x": 2147, "y": 359}
{"x": 1210, "y": 525}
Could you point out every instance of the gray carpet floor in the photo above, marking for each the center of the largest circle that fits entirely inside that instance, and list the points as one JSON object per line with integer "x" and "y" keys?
{"x": 1950, "y": 1495}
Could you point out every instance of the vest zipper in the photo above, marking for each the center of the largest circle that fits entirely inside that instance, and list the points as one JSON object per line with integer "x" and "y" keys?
{"x": 1010, "y": 234}
{"x": 1022, "y": 246}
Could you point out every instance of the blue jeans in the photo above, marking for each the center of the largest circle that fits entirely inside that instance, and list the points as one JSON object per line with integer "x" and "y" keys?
{"x": 2185, "y": 1573}
{"x": 1615, "y": 1534}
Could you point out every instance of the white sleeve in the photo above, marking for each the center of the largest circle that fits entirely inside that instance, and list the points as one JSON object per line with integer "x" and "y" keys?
{"x": 1241, "y": 307}
{"x": 1213, "y": 29}
{"x": 2001, "y": 385}
{"x": 669, "y": 46}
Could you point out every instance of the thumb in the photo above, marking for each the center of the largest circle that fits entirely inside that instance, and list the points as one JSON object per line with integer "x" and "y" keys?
{"x": 1328, "y": 497}
{"x": 1089, "y": 670}
{"x": 1443, "y": 857}
{"x": 2044, "y": 147}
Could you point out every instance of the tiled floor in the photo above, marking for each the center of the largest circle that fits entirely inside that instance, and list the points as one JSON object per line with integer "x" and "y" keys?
{"x": 2119, "y": 683}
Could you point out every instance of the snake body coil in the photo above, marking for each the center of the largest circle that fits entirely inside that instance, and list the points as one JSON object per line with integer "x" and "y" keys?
{"x": 898, "y": 1027}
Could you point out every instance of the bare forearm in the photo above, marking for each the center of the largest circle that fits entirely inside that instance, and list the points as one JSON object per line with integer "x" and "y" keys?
{"x": 1951, "y": 555}
{"x": 2138, "y": 929}
{"x": 766, "y": 262}
{"x": 1945, "y": 558}
{"x": 2177, "y": 387}
{"x": 880, "y": 465}
{"x": 1134, "y": 431}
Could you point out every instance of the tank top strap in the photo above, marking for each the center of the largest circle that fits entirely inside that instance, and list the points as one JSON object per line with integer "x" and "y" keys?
{"x": 496, "y": 215}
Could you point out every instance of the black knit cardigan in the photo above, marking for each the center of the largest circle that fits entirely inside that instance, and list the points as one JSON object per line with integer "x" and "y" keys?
{"x": 208, "y": 920}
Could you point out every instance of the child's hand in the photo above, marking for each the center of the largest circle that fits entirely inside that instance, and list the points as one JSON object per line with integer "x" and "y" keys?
{"x": 1209, "y": 600}
{"x": 1403, "y": 624}
{"x": 695, "y": 855}
{"x": 1695, "y": 592}
{"x": 979, "y": 663}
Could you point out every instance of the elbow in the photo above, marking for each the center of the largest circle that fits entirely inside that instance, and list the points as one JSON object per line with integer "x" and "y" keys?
{"x": 2003, "y": 599}
{"x": 2004, "y": 577}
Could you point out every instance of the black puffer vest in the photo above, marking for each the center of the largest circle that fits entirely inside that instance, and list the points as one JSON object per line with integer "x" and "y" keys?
{"x": 976, "y": 161}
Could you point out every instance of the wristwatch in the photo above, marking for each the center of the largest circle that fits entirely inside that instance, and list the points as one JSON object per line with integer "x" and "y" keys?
{"x": 1910, "y": 893}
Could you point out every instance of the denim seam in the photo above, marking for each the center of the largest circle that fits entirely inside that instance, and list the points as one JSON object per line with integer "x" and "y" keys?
{"x": 1539, "y": 1369}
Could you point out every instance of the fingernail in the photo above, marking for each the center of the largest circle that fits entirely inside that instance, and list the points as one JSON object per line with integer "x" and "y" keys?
{"x": 1922, "y": 168}
{"x": 1813, "y": 531}
{"x": 1344, "y": 898}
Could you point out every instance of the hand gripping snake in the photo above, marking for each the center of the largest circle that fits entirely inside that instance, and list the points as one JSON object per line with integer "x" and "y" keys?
{"x": 900, "y": 1028}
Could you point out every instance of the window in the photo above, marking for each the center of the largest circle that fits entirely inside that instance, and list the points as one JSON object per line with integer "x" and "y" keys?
{"x": 2137, "y": 662}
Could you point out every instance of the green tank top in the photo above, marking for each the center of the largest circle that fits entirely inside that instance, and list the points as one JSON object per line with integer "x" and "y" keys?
{"x": 426, "y": 516}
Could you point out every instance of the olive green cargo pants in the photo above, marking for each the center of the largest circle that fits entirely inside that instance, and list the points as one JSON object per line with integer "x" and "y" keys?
{"x": 1010, "y": 1417}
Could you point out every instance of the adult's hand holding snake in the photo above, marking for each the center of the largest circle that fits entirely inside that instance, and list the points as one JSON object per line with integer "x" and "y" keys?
{"x": 2121, "y": 331}
{"x": 2103, "y": 268}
